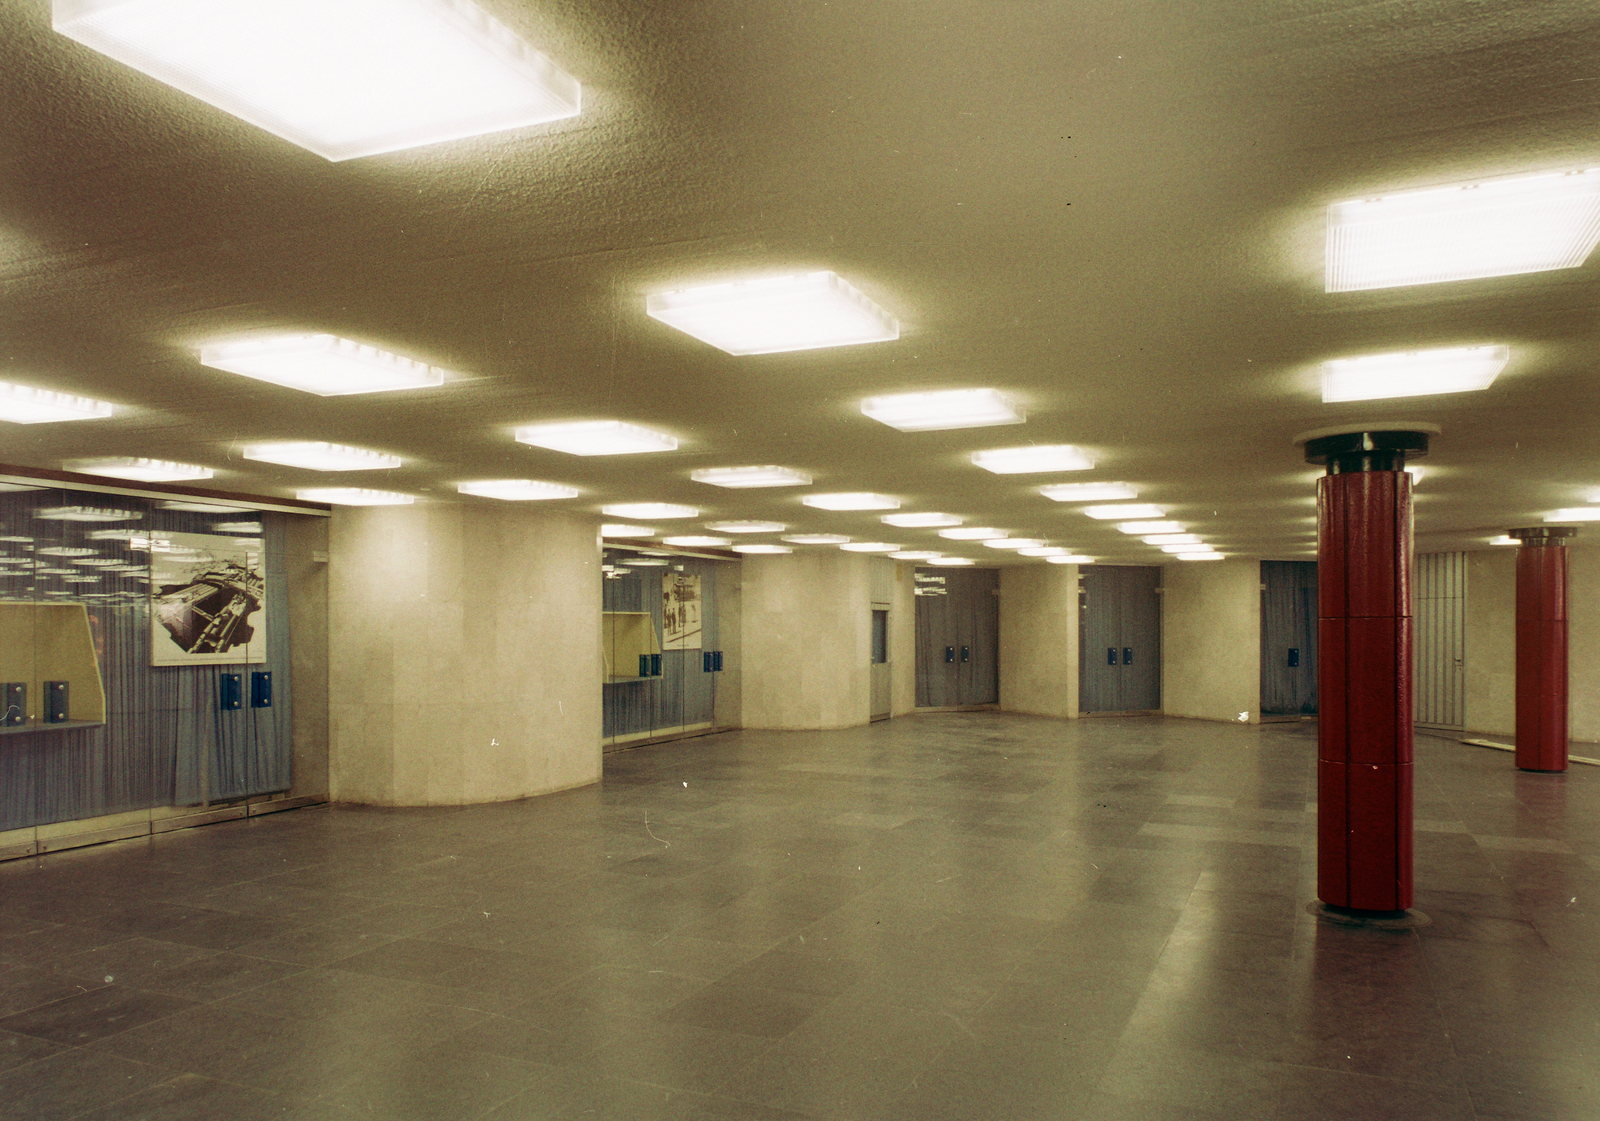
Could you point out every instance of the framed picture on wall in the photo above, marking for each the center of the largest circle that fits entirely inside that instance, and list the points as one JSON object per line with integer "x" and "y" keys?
{"x": 680, "y": 611}
{"x": 208, "y": 600}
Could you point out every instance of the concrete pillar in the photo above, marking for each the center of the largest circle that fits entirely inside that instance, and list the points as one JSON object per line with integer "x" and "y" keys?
{"x": 807, "y": 640}
{"x": 464, "y": 646}
{"x": 1039, "y": 639}
{"x": 1542, "y": 648}
{"x": 1364, "y": 729}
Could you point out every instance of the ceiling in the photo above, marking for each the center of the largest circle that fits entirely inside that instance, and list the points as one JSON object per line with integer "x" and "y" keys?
{"x": 1111, "y": 210}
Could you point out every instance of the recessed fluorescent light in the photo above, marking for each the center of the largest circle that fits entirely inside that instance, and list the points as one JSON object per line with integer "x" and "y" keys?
{"x": 1014, "y": 543}
{"x": 919, "y": 521}
{"x": 142, "y": 470}
{"x": 1199, "y": 556}
{"x": 1416, "y": 373}
{"x": 762, "y": 550}
{"x": 943, "y": 409}
{"x": 751, "y": 477}
{"x": 1499, "y": 227}
{"x": 852, "y": 501}
{"x": 660, "y": 511}
{"x": 647, "y": 562}
{"x": 1089, "y": 492}
{"x": 951, "y": 562}
{"x": 247, "y": 528}
{"x": 322, "y": 364}
{"x": 1139, "y": 529}
{"x": 616, "y": 529}
{"x": 1192, "y": 547}
{"x": 1172, "y": 539}
{"x": 96, "y": 514}
{"x": 914, "y": 554}
{"x": 596, "y": 437}
{"x": 354, "y": 496}
{"x": 1071, "y": 559}
{"x": 1033, "y": 460}
{"x": 345, "y": 79}
{"x": 23, "y": 404}
{"x": 869, "y": 547}
{"x": 1504, "y": 539}
{"x": 1043, "y": 551}
{"x": 1115, "y": 513}
{"x": 516, "y": 490}
{"x": 772, "y": 314}
{"x": 1575, "y": 514}
{"x": 315, "y": 456}
{"x": 972, "y": 533}
{"x": 816, "y": 539}
{"x": 696, "y": 542}
{"x": 747, "y": 527}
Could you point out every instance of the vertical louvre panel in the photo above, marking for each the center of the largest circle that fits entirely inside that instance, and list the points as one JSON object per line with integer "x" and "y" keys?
{"x": 1440, "y": 596}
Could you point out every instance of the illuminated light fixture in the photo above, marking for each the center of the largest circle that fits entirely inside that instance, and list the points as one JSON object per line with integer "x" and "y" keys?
{"x": 322, "y": 364}
{"x": 236, "y": 527}
{"x": 99, "y": 514}
{"x": 1117, "y": 513}
{"x": 354, "y": 496}
{"x": 816, "y": 539}
{"x": 1199, "y": 556}
{"x": 1014, "y": 543}
{"x": 943, "y": 409}
{"x": 1089, "y": 492}
{"x": 596, "y": 437}
{"x": 1033, "y": 460}
{"x": 617, "y": 529}
{"x": 1172, "y": 539}
{"x": 1415, "y": 373}
{"x": 66, "y": 551}
{"x": 197, "y": 507}
{"x": 973, "y": 533}
{"x": 516, "y": 490}
{"x": 660, "y": 511}
{"x": 741, "y": 477}
{"x": 691, "y": 542}
{"x": 805, "y": 311}
{"x": 347, "y": 79}
{"x": 1140, "y": 529}
{"x": 647, "y": 562}
{"x": 1575, "y": 514}
{"x": 1043, "y": 551}
{"x": 853, "y": 500}
{"x": 1499, "y": 227}
{"x": 1194, "y": 547}
{"x": 747, "y": 527}
{"x": 1504, "y": 539}
{"x": 315, "y": 456}
{"x": 23, "y": 404}
{"x": 762, "y": 550}
{"x": 142, "y": 470}
{"x": 919, "y": 521}
{"x": 951, "y": 562}
{"x": 870, "y": 547}
{"x": 914, "y": 555}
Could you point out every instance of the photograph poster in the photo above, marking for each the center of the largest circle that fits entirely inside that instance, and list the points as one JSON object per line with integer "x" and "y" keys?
{"x": 680, "y": 611}
{"x": 208, "y": 598}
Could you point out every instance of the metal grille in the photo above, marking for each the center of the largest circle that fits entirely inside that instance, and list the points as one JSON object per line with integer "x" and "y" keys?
{"x": 1440, "y": 591}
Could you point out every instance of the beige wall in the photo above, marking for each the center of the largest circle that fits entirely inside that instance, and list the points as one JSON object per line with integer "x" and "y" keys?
{"x": 306, "y": 565}
{"x": 464, "y": 646}
{"x": 807, "y": 640}
{"x": 903, "y": 640}
{"x": 1211, "y": 639}
{"x": 730, "y": 611}
{"x": 1039, "y": 640}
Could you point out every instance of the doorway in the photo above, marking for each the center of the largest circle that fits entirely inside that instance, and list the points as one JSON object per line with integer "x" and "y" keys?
{"x": 958, "y": 637}
{"x": 1119, "y": 667}
{"x": 1288, "y": 638}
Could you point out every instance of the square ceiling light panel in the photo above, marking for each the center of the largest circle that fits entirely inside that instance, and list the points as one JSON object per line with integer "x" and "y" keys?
{"x": 870, "y": 547}
{"x": 1033, "y": 460}
{"x": 342, "y": 78}
{"x": 745, "y": 477}
{"x": 697, "y": 542}
{"x": 853, "y": 500}
{"x": 919, "y": 521}
{"x": 806, "y": 311}
{"x": 596, "y": 437}
{"x": 1574, "y": 514}
{"x": 943, "y": 409}
{"x": 1172, "y": 539}
{"x": 322, "y": 364}
{"x": 762, "y": 550}
{"x": 816, "y": 538}
{"x": 354, "y": 496}
{"x": 1140, "y": 529}
{"x": 1089, "y": 492}
{"x": 973, "y": 533}
{"x": 1499, "y": 227}
{"x": 1414, "y": 373}
{"x": 516, "y": 490}
{"x": 315, "y": 456}
{"x": 1192, "y": 548}
{"x": 1199, "y": 556}
{"x": 23, "y": 404}
{"x": 915, "y": 554}
{"x": 658, "y": 510}
{"x": 1070, "y": 559}
{"x": 746, "y": 527}
{"x": 141, "y": 470}
{"x": 1113, "y": 513}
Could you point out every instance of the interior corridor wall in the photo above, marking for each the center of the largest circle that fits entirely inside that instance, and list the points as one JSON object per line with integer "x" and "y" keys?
{"x": 464, "y": 647}
{"x": 1039, "y": 640}
{"x": 807, "y": 641}
{"x": 1211, "y": 639}
{"x": 903, "y": 640}
{"x": 306, "y": 572}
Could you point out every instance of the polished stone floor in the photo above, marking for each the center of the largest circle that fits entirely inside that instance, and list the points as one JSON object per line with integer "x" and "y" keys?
{"x": 966, "y": 915}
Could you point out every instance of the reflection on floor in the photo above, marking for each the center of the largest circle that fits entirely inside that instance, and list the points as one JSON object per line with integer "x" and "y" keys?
{"x": 966, "y": 915}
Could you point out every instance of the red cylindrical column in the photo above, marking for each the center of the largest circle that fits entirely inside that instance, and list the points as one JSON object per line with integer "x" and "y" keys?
{"x": 1364, "y": 736}
{"x": 1542, "y": 648}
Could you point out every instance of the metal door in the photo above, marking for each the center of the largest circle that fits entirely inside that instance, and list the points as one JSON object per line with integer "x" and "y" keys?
{"x": 1119, "y": 664}
{"x": 936, "y": 641}
{"x": 1140, "y": 609}
{"x": 882, "y": 706}
{"x": 1288, "y": 638}
{"x": 958, "y": 637}
{"x": 1440, "y": 597}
